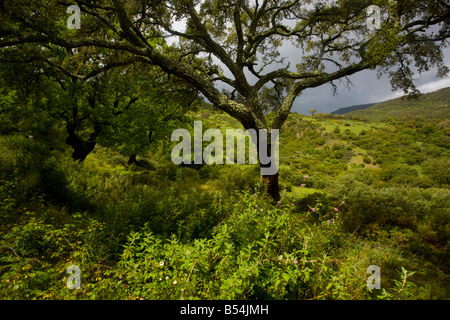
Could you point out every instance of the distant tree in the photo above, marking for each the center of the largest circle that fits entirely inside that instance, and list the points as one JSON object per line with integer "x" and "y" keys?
{"x": 245, "y": 37}
{"x": 367, "y": 159}
{"x": 313, "y": 112}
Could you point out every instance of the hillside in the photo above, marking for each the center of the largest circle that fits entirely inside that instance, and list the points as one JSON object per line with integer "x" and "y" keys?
{"x": 434, "y": 105}
{"x": 353, "y": 108}
{"x": 354, "y": 194}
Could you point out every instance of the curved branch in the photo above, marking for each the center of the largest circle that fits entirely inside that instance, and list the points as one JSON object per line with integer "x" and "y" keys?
{"x": 298, "y": 87}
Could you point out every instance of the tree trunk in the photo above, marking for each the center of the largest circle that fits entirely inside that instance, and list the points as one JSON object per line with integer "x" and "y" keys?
{"x": 271, "y": 186}
{"x": 81, "y": 149}
{"x": 132, "y": 159}
{"x": 270, "y": 181}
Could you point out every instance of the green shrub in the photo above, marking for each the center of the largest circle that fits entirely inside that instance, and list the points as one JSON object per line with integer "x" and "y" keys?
{"x": 238, "y": 177}
{"x": 31, "y": 169}
{"x": 439, "y": 170}
{"x": 257, "y": 252}
{"x": 396, "y": 170}
{"x": 366, "y": 159}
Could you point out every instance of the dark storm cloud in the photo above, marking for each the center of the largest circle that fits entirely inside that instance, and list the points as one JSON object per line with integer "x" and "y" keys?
{"x": 366, "y": 88}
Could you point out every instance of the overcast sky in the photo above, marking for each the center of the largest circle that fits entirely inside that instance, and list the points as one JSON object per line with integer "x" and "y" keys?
{"x": 366, "y": 88}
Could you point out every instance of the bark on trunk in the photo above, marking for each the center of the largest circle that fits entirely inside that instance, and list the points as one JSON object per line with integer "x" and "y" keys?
{"x": 132, "y": 159}
{"x": 271, "y": 186}
{"x": 270, "y": 182}
{"x": 81, "y": 149}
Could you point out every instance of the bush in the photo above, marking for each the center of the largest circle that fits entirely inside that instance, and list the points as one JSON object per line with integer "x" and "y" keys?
{"x": 31, "y": 170}
{"x": 366, "y": 159}
{"x": 396, "y": 170}
{"x": 257, "y": 252}
{"x": 439, "y": 170}
{"x": 238, "y": 178}
{"x": 291, "y": 175}
{"x": 403, "y": 207}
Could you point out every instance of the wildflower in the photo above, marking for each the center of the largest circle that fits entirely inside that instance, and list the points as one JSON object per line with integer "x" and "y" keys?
{"x": 292, "y": 204}
{"x": 167, "y": 278}
{"x": 175, "y": 282}
{"x": 328, "y": 221}
{"x": 336, "y": 209}
{"x": 255, "y": 195}
{"x": 279, "y": 202}
{"x": 313, "y": 209}
{"x": 161, "y": 263}
{"x": 302, "y": 185}
{"x": 296, "y": 261}
{"x": 306, "y": 177}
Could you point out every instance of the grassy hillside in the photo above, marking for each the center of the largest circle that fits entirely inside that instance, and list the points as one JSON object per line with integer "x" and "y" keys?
{"x": 354, "y": 194}
{"x": 435, "y": 105}
{"x": 353, "y": 108}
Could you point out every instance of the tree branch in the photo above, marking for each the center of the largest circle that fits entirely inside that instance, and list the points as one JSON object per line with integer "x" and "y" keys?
{"x": 298, "y": 87}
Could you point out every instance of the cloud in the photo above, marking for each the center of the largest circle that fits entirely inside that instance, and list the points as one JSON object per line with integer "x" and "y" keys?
{"x": 366, "y": 87}
{"x": 435, "y": 85}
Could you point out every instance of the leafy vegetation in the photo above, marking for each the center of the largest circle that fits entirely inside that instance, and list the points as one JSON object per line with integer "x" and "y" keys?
{"x": 86, "y": 177}
{"x": 168, "y": 232}
{"x": 433, "y": 105}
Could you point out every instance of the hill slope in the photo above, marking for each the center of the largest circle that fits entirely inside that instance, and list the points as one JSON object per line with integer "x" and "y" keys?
{"x": 353, "y": 108}
{"x": 434, "y": 105}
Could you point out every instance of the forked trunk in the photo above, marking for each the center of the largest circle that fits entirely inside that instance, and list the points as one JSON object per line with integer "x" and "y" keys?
{"x": 81, "y": 149}
{"x": 265, "y": 150}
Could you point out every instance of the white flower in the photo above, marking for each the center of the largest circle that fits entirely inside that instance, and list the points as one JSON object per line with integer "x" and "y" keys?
{"x": 161, "y": 263}
{"x": 167, "y": 278}
{"x": 174, "y": 282}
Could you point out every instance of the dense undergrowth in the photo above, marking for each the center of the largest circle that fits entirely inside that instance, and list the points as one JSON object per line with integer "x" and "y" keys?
{"x": 168, "y": 232}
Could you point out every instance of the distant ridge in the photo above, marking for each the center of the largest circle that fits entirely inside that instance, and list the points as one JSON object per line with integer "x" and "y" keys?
{"x": 345, "y": 110}
{"x": 433, "y": 105}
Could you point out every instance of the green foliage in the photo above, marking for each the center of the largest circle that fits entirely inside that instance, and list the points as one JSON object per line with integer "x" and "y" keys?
{"x": 256, "y": 252}
{"x": 367, "y": 159}
{"x": 429, "y": 106}
{"x": 215, "y": 238}
{"x": 355, "y": 193}
{"x": 403, "y": 288}
{"x": 439, "y": 170}
{"x": 398, "y": 170}
{"x": 239, "y": 178}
